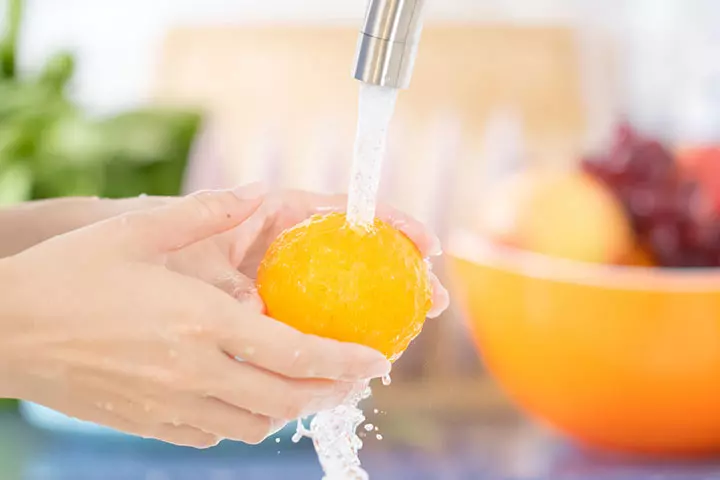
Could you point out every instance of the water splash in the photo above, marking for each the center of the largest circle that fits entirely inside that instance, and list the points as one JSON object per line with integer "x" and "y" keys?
{"x": 336, "y": 442}
{"x": 300, "y": 432}
{"x": 334, "y": 432}
{"x": 376, "y": 108}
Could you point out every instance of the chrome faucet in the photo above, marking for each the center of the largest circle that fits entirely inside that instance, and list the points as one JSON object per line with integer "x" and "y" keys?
{"x": 388, "y": 42}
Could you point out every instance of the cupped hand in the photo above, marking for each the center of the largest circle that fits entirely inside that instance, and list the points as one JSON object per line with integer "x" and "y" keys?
{"x": 96, "y": 325}
{"x": 230, "y": 261}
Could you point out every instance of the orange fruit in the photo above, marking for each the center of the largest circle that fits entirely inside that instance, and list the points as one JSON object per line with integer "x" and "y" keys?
{"x": 366, "y": 285}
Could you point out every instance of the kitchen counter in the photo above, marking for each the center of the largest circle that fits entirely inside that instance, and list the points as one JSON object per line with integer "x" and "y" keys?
{"x": 497, "y": 446}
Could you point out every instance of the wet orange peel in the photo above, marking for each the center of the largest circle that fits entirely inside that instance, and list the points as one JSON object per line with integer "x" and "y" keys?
{"x": 360, "y": 284}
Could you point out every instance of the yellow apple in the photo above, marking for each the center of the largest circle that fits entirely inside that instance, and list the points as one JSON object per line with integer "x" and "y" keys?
{"x": 561, "y": 214}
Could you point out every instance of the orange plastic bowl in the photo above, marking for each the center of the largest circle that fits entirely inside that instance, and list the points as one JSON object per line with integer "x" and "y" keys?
{"x": 621, "y": 358}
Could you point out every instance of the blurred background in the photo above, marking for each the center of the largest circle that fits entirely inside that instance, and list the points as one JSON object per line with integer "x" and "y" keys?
{"x": 566, "y": 151}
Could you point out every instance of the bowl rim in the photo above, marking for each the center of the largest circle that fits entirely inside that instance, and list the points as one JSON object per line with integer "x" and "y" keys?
{"x": 464, "y": 245}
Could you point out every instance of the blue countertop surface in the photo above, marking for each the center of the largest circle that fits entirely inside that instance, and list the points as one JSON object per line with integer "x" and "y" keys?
{"x": 478, "y": 450}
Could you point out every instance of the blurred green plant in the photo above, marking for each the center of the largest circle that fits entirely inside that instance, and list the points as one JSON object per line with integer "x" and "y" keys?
{"x": 50, "y": 148}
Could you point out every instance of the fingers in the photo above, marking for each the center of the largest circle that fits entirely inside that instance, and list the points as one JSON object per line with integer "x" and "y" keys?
{"x": 427, "y": 243}
{"x": 247, "y": 387}
{"x": 228, "y": 421}
{"x": 181, "y": 435}
{"x": 310, "y": 203}
{"x": 440, "y": 297}
{"x": 276, "y": 347}
{"x": 191, "y": 219}
{"x": 238, "y": 286}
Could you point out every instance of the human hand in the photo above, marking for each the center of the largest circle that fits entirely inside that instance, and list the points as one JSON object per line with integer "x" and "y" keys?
{"x": 230, "y": 261}
{"x": 94, "y": 324}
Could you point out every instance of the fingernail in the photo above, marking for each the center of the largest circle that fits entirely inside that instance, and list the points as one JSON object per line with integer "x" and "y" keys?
{"x": 378, "y": 369}
{"x": 277, "y": 425}
{"x": 441, "y": 300}
{"x": 250, "y": 191}
{"x": 435, "y": 249}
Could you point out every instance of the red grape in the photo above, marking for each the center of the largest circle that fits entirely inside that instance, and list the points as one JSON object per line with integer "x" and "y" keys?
{"x": 669, "y": 214}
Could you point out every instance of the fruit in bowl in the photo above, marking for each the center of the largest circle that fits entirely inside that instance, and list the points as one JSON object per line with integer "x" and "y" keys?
{"x": 671, "y": 200}
{"x": 702, "y": 164}
{"x": 560, "y": 214}
{"x": 615, "y": 357}
{"x": 612, "y": 336}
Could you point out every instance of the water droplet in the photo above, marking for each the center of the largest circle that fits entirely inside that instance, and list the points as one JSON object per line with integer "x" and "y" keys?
{"x": 386, "y": 380}
{"x": 301, "y": 432}
{"x": 376, "y": 411}
{"x": 376, "y": 429}
{"x": 336, "y": 441}
{"x": 176, "y": 422}
{"x": 369, "y": 427}
{"x": 379, "y": 437}
{"x": 277, "y": 440}
{"x": 249, "y": 351}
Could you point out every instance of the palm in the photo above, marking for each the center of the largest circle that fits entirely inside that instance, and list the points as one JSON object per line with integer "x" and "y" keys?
{"x": 230, "y": 260}
{"x": 254, "y": 237}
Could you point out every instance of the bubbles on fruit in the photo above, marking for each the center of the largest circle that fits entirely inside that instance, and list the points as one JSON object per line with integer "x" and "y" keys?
{"x": 366, "y": 285}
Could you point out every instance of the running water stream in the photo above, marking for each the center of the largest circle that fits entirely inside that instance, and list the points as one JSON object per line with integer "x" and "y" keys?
{"x": 376, "y": 108}
{"x": 333, "y": 432}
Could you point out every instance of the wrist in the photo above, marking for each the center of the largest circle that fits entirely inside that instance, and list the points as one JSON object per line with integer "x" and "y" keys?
{"x": 36, "y": 222}
{"x": 11, "y": 318}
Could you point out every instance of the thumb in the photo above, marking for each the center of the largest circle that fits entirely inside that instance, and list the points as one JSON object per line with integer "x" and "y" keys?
{"x": 191, "y": 219}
